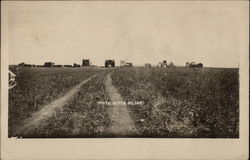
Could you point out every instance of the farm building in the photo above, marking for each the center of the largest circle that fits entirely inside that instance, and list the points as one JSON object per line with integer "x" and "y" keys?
{"x": 128, "y": 64}
{"x": 147, "y": 65}
{"x": 26, "y": 65}
{"x": 193, "y": 65}
{"x": 77, "y": 65}
{"x": 122, "y": 63}
{"x": 109, "y": 63}
{"x": 163, "y": 64}
{"x": 85, "y": 62}
{"x": 48, "y": 64}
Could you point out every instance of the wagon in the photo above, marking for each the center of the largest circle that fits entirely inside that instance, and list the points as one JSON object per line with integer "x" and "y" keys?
{"x": 109, "y": 63}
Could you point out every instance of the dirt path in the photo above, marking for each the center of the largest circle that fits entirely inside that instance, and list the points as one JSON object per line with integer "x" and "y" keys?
{"x": 36, "y": 120}
{"x": 121, "y": 122}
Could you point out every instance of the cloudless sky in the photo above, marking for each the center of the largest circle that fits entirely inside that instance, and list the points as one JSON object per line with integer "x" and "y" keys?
{"x": 139, "y": 32}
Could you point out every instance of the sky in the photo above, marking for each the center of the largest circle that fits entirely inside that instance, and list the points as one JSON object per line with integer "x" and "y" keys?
{"x": 138, "y": 32}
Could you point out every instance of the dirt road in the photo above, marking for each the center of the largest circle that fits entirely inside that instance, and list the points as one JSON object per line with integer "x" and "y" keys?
{"x": 121, "y": 123}
{"x": 36, "y": 120}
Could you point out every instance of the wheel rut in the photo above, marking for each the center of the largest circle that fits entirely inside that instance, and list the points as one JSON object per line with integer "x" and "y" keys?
{"x": 37, "y": 118}
{"x": 122, "y": 124}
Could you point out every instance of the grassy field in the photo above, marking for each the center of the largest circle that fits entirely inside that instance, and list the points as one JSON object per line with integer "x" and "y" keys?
{"x": 37, "y": 87}
{"x": 177, "y": 102}
{"x": 82, "y": 116}
{"x": 180, "y": 102}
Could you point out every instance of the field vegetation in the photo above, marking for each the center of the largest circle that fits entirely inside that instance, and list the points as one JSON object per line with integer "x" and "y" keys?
{"x": 37, "y": 87}
{"x": 180, "y": 102}
{"x": 177, "y": 102}
{"x": 82, "y": 116}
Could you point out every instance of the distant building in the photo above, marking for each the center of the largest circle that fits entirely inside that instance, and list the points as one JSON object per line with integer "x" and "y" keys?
{"x": 193, "y": 65}
{"x": 77, "y": 65}
{"x": 26, "y": 65}
{"x": 147, "y": 65}
{"x": 48, "y": 64}
{"x": 109, "y": 63}
{"x": 125, "y": 64}
{"x": 122, "y": 63}
{"x": 85, "y": 62}
{"x": 163, "y": 64}
{"x": 128, "y": 64}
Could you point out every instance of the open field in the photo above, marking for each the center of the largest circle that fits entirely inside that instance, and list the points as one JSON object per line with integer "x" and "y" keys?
{"x": 180, "y": 102}
{"x": 177, "y": 102}
{"x": 82, "y": 116}
{"x": 37, "y": 87}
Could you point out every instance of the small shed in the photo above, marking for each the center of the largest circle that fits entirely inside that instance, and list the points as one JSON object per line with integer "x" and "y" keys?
{"x": 85, "y": 62}
{"x": 128, "y": 64}
{"x": 193, "y": 65}
{"x": 164, "y": 64}
{"x": 49, "y": 64}
{"x": 77, "y": 65}
{"x": 147, "y": 65}
{"x": 122, "y": 63}
{"x": 26, "y": 65}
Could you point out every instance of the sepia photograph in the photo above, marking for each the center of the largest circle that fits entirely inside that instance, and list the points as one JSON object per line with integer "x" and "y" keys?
{"x": 72, "y": 75}
{"x": 123, "y": 69}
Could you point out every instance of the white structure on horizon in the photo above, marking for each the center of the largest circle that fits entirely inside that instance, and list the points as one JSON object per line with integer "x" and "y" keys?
{"x": 122, "y": 63}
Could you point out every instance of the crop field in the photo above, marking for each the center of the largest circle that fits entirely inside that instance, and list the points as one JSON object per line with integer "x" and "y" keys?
{"x": 180, "y": 102}
{"x": 175, "y": 102}
{"x": 37, "y": 87}
{"x": 82, "y": 116}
